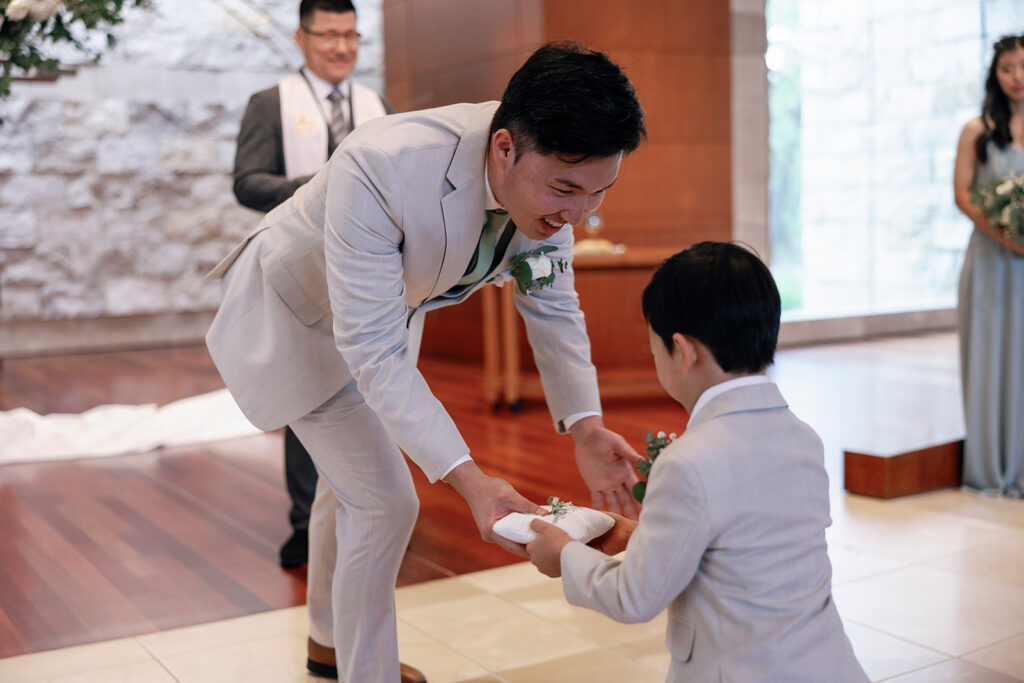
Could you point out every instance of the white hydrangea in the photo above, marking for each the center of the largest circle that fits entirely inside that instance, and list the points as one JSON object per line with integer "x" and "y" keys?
{"x": 1004, "y": 217}
{"x": 39, "y": 10}
{"x": 540, "y": 266}
{"x": 1005, "y": 187}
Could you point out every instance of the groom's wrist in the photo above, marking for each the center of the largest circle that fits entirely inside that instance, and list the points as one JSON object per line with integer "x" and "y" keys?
{"x": 465, "y": 458}
{"x": 580, "y": 428}
{"x": 462, "y": 477}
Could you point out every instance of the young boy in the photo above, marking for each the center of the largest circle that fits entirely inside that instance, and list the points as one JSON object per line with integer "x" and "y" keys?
{"x": 732, "y": 534}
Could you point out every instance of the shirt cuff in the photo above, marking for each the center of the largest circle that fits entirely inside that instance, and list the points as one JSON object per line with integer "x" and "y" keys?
{"x": 458, "y": 462}
{"x": 576, "y": 417}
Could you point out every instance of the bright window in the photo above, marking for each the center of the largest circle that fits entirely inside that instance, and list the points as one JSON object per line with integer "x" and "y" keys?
{"x": 866, "y": 102}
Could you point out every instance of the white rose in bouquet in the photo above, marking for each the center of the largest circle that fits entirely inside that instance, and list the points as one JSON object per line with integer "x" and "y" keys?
{"x": 1005, "y": 187}
{"x": 39, "y": 10}
{"x": 18, "y": 9}
{"x": 44, "y": 9}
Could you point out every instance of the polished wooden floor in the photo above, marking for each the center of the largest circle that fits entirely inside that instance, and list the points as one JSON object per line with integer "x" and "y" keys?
{"x": 97, "y": 549}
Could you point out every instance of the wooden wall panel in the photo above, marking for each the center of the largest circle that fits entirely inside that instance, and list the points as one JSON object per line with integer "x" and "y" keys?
{"x": 659, "y": 26}
{"x": 674, "y": 191}
{"x": 439, "y": 52}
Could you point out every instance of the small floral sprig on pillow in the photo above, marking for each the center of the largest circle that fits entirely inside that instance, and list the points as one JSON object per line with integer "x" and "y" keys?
{"x": 533, "y": 270}
{"x": 559, "y": 507}
{"x": 1003, "y": 204}
{"x": 655, "y": 444}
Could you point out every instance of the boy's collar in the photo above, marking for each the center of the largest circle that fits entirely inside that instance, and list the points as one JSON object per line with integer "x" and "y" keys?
{"x": 722, "y": 387}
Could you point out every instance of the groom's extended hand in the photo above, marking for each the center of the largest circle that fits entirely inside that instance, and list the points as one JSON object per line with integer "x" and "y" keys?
{"x": 607, "y": 464}
{"x": 490, "y": 499}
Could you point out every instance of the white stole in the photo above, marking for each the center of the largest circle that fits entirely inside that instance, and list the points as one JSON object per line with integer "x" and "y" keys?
{"x": 304, "y": 127}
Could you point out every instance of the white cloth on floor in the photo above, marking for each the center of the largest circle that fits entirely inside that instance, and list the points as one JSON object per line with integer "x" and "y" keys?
{"x": 26, "y": 436}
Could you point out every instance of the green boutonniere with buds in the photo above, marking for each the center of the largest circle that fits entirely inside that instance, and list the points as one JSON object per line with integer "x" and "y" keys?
{"x": 655, "y": 444}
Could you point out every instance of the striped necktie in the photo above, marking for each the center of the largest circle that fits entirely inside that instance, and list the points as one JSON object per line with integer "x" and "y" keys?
{"x": 338, "y": 125}
{"x": 481, "y": 262}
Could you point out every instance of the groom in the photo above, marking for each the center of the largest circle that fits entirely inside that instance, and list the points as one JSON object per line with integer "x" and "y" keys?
{"x": 323, "y": 310}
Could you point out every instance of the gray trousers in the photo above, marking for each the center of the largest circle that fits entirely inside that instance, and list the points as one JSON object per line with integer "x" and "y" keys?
{"x": 362, "y": 518}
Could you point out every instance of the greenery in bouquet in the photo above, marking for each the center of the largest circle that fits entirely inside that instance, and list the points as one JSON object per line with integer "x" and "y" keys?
{"x": 655, "y": 444}
{"x": 1003, "y": 204}
{"x": 28, "y": 27}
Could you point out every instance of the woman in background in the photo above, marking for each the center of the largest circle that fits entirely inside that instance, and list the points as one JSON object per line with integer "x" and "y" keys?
{"x": 991, "y": 302}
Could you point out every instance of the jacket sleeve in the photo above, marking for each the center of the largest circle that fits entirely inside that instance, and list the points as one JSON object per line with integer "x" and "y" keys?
{"x": 260, "y": 181}
{"x": 558, "y": 338}
{"x": 363, "y": 246}
{"x": 662, "y": 556}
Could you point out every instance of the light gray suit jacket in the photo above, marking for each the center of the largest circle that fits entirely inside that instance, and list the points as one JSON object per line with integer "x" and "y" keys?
{"x": 732, "y": 540}
{"x": 326, "y": 288}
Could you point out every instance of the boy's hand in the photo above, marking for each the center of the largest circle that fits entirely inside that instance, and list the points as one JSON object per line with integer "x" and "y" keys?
{"x": 546, "y": 550}
{"x": 615, "y": 539}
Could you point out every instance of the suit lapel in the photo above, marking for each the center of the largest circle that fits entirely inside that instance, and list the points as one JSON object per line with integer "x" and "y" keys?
{"x": 463, "y": 207}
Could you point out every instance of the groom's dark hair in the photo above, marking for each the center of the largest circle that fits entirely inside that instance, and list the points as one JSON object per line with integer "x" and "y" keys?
{"x": 573, "y": 102}
{"x": 721, "y": 295}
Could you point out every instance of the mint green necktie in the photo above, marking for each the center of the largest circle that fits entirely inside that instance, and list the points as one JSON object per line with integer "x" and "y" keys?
{"x": 478, "y": 267}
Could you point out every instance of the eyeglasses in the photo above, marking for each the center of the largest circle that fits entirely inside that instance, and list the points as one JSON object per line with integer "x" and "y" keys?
{"x": 331, "y": 38}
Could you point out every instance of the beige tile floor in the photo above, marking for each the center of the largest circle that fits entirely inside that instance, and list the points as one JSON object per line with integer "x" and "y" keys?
{"x": 930, "y": 587}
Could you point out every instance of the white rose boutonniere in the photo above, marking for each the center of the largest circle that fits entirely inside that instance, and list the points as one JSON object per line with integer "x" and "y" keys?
{"x": 533, "y": 270}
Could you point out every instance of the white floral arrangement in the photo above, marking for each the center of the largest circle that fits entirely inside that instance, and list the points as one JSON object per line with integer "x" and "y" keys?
{"x": 1003, "y": 204}
{"x": 532, "y": 270}
{"x": 29, "y": 27}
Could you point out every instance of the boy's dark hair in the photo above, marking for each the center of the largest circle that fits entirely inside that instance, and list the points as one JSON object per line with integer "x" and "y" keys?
{"x": 723, "y": 296}
{"x": 573, "y": 102}
{"x": 307, "y": 7}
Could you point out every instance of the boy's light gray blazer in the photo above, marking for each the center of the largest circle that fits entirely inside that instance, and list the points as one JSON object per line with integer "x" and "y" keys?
{"x": 732, "y": 540}
{"x": 326, "y": 288}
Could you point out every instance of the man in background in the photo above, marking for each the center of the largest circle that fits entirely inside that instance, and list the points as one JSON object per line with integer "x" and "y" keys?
{"x": 287, "y": 133}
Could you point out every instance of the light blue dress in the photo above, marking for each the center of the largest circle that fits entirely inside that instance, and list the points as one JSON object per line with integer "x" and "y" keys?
{"x": 991, "y": 320}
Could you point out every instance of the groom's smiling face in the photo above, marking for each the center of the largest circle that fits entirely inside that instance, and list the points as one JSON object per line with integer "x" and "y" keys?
{"x": 545, "y": 192}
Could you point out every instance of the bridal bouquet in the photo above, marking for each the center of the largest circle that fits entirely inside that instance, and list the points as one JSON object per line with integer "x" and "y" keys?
{"x": 1003, "y": 204}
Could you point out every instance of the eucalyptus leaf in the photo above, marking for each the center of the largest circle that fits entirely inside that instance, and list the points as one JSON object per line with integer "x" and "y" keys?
{"x": 639, "y": 490}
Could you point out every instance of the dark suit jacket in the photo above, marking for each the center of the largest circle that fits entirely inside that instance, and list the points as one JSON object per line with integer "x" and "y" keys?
{"x": 260, "y": 181}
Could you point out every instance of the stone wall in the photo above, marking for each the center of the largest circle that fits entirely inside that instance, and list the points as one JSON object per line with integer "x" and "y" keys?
{"x": 115, "y": 182}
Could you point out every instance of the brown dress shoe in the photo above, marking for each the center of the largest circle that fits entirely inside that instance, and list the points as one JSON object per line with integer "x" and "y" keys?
{"x": 411, "y": 674}
{"x": 321, "y": 662}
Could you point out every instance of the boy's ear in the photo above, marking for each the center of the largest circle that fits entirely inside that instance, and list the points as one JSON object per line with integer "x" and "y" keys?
{"x": 685, "y": 351}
